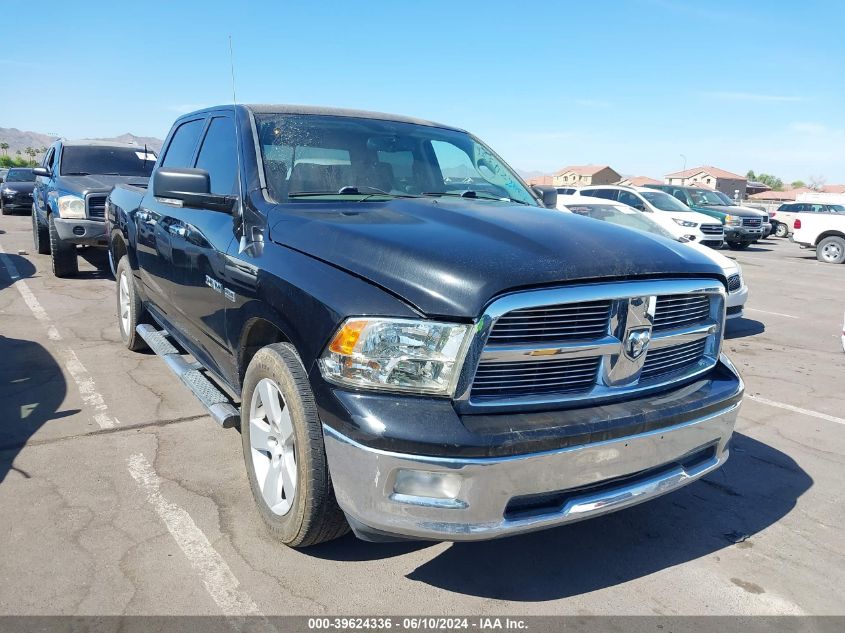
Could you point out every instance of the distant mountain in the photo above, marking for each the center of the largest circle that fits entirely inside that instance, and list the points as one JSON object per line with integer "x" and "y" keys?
{"x": 19, "y": 140}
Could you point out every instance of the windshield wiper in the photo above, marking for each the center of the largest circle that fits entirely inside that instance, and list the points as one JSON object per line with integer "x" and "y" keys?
{"x": 351, "y": 191}
{"x": 76, "y": 173}
{"x": 473, "y": 194}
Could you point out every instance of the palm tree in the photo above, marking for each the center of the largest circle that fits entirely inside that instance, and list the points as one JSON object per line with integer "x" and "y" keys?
{"x": 4, "y": 147}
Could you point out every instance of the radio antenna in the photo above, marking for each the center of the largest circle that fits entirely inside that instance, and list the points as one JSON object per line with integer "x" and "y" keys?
{"x": 243, "y": 242}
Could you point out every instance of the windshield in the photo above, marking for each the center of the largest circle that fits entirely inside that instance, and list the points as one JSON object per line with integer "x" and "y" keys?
{"x": 623, "y": 216}
{"x": 104, "y": 160}
{"x": 664, "y": 202}
{"x": 20, "y": 175}
{"x": 706, "y": 198}
{"x": 836, "y": 208}
{"x": 725, "y": 198}
{"x": 373, "y": 159}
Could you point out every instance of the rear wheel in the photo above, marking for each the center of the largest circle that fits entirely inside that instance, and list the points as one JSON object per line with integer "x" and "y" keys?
{"x": 40, "y": 236}
{"x": 284, "y": 452}
{"x": 831, "y": 250}
{"x": 130, "y": 309}
{"x": 781, "y": 230}
{"x": 63, "y": 254}
{"x": 738, "y": 246}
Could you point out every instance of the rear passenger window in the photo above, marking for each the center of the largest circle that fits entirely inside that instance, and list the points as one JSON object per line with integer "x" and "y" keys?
{"x": 219, "y": 156}
{"x": 607, "y": 194}
{"x": 181, "y": 148}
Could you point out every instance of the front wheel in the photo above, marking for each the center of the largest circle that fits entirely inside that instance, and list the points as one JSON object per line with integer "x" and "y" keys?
{"x": 3, "y": 208}
{"x": 781, "y": 230}
{"x": 739, "y": 246}
{"x": 63, "y": 255}
{"x": 40, "y": 236}
{"x": 831, "y": 250}
{"x": 130, "y": 310}
{"x": 284, "y": 452}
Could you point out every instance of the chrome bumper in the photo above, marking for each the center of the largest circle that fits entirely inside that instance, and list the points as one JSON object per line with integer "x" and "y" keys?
{"x": 582, "y": 481}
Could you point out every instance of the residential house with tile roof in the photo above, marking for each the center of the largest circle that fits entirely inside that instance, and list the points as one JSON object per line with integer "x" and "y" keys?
{"x": 711, "y": 177}
{"x": 583, "y": 175}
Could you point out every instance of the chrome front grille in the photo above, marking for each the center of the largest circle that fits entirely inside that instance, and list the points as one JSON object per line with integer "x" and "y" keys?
{"x": 712, "y": 229}
{"x": 734, "y": 283}
{"x": 752, "y": 222}
{"x": 576, "y": 321}
{"x": 96, "y": 206}
{"x": 592, "y": 342}
{"x": 674, "y": 311}
{"x": 517, "y": 379}
{"x": 671, "y": 359}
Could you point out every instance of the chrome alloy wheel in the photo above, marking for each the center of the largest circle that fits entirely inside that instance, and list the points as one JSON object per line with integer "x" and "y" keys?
{"x": 123, "y": 290}
{"x": 273, "y": 446}
{"x": 832, "y": 252}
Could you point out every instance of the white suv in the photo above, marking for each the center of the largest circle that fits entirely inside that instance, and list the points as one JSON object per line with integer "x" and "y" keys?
{"x": 669, "y": 212}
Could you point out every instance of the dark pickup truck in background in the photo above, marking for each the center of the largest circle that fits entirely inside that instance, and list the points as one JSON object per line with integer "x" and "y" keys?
{"x": 413, "y": 345}
{"x": 71, "y": 187}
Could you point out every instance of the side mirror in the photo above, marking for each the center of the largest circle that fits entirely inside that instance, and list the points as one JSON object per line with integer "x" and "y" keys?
{"x": 641, "y": 207}
{"x": 42, "y": 171}
{"x": 547, "y": 194}
{"x": 191, "y": 187}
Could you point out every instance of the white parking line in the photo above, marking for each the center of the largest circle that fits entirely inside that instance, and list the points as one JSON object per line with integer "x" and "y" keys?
{"x": 794, "y": 409}
{"x": 81, "y": 376}
{"x": 215, "y": 574}
{"x": 780, "y": 314}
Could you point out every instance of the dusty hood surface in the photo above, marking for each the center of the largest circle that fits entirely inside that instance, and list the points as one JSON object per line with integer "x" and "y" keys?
{"x": 451, "y": 258}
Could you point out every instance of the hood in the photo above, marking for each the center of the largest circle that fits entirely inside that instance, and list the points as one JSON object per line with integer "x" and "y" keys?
{"x": 733, "y": 210}
{"x": 728, "y": 265}
{"x": 450, "y": 258}
{"x": 18, "y": 186}
{"x": 88, "y": 184}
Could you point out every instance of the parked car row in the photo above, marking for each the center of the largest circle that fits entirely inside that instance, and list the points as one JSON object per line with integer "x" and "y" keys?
{"x": 414, "y": 343}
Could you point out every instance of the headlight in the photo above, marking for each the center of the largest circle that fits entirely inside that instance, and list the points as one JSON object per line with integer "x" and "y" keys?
{"x": 9, "y": 192}
{"x": 733, "y": 220}
{"x": 396, "y": 355}
{"x": 684, "y": 222}
{"x": 72, "y": 207}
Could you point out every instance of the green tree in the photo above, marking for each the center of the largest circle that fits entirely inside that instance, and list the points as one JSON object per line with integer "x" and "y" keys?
{"x": 772, "y": 182}
{"x": 798, "y": 184}
{"x": 5, "y": 148}
{"x": 750, "y": 175}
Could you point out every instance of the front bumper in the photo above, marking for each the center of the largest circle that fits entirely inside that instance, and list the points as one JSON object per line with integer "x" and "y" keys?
{"x": 17, "y": 202}
{"x": 503, "y": 496}
{"x": 86, "y": 232}
{"x": 742, "y": 233}
{"x": 735, "y": 302}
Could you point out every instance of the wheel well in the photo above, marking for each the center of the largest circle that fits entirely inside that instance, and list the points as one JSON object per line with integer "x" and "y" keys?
{"x": 118, "y": 248}
{"x": 259, "y": 333}
{"x": 829, "y": 234}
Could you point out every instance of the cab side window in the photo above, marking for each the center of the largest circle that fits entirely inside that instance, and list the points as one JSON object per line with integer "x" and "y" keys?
{"x": 607, "y": 194}
{"x": 218, "y": 156}
{"x": 182, "y": 144}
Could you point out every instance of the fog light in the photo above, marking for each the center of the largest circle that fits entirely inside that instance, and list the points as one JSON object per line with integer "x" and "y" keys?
{"x": 78, "y": 230}
{"x": 421, "y": 483}
{"x": 691, "y": 238}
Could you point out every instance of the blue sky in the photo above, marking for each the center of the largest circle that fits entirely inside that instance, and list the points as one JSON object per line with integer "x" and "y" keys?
{"x": 635, "y": 84}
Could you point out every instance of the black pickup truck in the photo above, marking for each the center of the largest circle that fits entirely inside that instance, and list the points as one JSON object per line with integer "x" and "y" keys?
{"x": 412, "y": 343}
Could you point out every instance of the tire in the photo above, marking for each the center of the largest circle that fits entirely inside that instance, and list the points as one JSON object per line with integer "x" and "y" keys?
{"x": 781, "y": 230}
{"x": 312, "y": 515}
{"x": 63, "y": 255}
{"x": 739, "y": 246}
{"x": 831, "y": 250}
{"x": 130, "y": 309}
{"x": 3, "y": 210}
{"x": 40, "y": 236}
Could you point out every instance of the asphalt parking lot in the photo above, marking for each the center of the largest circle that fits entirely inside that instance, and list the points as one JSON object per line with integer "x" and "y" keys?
{"x": 120, "y": 496}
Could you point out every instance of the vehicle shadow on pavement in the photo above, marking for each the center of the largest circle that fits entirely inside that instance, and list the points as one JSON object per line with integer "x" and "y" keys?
{"x": 742, "y": 327}
{"x": 99, "y": 259}
{"x": 757, "y": 487}
{"x": 32, "y": 386}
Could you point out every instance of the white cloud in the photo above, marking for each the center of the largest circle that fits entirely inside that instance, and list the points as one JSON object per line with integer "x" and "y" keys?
{"x": 752, "y": 96}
